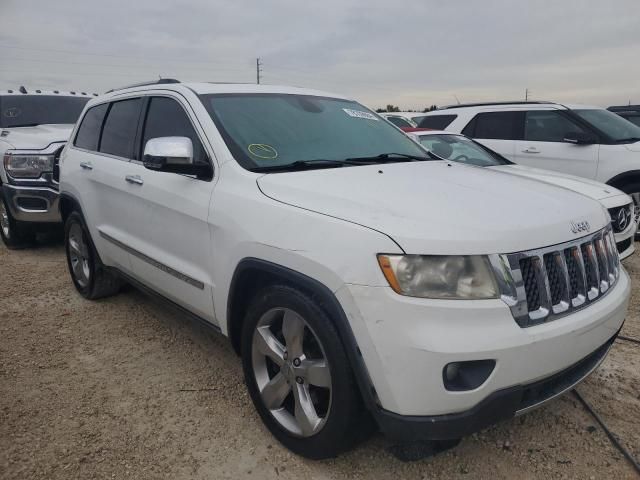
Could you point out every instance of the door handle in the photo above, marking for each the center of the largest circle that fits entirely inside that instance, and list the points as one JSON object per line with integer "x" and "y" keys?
{"x": 135, "y": 179}
{"x": 86, "y": 165}
{"x": 531, "y": 150}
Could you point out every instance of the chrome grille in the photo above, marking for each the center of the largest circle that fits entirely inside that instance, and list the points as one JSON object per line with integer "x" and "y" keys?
{"x": 544, "y": 284}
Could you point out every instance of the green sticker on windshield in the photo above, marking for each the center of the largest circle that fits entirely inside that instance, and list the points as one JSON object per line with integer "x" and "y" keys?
{"x": 262, "y": 150}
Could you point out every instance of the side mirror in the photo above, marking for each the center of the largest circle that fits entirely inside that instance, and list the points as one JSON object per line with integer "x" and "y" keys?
{"x": 174, "y": 155}
{"x": 580, "y": 138}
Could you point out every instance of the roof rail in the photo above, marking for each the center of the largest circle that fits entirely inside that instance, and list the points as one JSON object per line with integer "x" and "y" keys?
{"x": 488, "y": 104}
{"x": 143, "y": 84}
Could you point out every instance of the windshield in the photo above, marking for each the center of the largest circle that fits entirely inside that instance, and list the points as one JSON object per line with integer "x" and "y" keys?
{"x": 30, "y": 110}
{"x": 612, "y": 125}
{"x": 272, "y": 130}
{"x": 461, "y": 149}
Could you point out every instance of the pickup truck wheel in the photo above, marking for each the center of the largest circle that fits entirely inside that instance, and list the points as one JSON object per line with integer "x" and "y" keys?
{"x": 298, "y": 374}
{"x": 15, "y": 234}
{"x": 89, "y": 275}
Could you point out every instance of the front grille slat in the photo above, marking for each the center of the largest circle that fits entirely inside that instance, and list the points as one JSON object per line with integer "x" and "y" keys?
{"x": 560, "y": 279}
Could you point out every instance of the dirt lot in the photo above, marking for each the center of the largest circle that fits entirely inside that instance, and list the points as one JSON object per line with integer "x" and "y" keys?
{"x": 123, "y": 388}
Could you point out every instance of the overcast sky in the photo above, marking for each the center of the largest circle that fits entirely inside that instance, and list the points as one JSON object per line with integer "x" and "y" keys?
{"x": 410, "y": 53}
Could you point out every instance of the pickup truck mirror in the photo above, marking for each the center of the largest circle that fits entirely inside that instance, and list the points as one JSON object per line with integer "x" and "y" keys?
{"x": 580, "y": 138}
{"x": 173, "y": 155}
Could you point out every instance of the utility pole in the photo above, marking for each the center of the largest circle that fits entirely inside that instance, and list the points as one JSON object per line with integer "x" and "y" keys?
{"x": 526, "y": 94}
{"x": 258, "y": 70}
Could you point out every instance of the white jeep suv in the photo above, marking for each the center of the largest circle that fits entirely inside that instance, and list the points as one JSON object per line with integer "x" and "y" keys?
{"x": 34, "y": 126}
{"x": 360, "y": 279}
{"x": 589, "y": 142}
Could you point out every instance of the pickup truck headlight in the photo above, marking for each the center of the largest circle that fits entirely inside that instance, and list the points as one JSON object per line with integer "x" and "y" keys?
{"x": 30, "y": 165}
{"x": 440, "y": 276}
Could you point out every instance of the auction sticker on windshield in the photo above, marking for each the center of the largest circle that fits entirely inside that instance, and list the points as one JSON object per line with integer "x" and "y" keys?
{"x": 360, "y": 114}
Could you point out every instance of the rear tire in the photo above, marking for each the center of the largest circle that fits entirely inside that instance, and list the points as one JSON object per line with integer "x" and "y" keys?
{"x": 15, "y": 235}
{"x": 89, "y": 275}
{"x": 298, "y": 374}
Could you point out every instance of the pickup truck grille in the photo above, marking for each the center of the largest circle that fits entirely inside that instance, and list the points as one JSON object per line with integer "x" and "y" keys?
{"x": 544, "y": 284}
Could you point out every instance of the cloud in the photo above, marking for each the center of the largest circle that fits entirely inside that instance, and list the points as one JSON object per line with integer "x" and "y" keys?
{"x": 404, "y": 52}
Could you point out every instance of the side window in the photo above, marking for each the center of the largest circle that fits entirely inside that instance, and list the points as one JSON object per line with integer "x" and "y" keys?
{"x": 119, "y": 131}
{"x": 495, "y": 125}
{"x": 167, "y": 118}
{"x": 436, "y": 122}
{"x": 548, "y": 126}
{"x": 88, "y": 135}
{"x": 399, "y": 122}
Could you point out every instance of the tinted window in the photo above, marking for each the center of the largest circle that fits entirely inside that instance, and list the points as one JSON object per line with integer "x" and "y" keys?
{"x": 436, "y": 122}
{"x": 615, "y": 127}
{"x": 635, "y": 119}
{"x": 166, "y": 118}
{"x": 494, "y": 125}
{"x": 274, "y": 130}
{"x": 399, "y": 122}
{"x": 119, "y": 132}
{"x": 548, "y": 126}
{"x": 27, "y": 110}
{"x": 461, "y": 149}
{"x": 88, "y": 135}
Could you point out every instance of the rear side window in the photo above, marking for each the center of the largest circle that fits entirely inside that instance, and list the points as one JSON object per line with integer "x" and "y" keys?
{"x": 119, "y": 132}
{"x": 167, "y": 118}
{"x": 88, "y": 136}
{"x": 436, "y": 122}
{"x": 495, "y": 125}
{"x": 399, "y": 122}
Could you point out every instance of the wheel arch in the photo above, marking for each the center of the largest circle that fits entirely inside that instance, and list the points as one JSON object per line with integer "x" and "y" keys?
{"x": 253, "y": 274}
{"x": 631, "y": 176}
{"x": 68, "y": 204}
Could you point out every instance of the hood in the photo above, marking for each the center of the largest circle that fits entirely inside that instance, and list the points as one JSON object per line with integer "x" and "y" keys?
{"x": 590, "y": 188}
{"x": 634, "y": 147}
{"x": 440, "y": 208}
{"x": 38, "y": 137}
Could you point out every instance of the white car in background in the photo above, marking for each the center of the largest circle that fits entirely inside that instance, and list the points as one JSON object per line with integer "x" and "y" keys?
{"x": 580, "y": 140}
{"x": 459, "y": 148}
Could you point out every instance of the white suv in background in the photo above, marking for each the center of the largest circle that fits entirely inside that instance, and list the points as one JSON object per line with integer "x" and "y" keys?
{"x": 589, "y": 142}
{"x": 34, "y": 126}
{"x": 358, "y": 277}
{"x": 459, "y": 148}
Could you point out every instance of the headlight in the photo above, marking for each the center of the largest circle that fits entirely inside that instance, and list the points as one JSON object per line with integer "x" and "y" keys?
{"x": 27, "y": 165}
{"x": 439, "y": 276}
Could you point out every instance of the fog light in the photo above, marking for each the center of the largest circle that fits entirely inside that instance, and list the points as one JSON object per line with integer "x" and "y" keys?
{"x": 462, "y": 376}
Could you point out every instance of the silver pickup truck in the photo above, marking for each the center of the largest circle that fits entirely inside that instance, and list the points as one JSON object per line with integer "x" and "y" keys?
{"x": 34, "y": 127}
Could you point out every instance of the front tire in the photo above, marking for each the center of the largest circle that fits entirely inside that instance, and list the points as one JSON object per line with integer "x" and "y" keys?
{"x": 298, "y": 374}
{"x": 89, "y": 276}
{"x": 14, "y": 234}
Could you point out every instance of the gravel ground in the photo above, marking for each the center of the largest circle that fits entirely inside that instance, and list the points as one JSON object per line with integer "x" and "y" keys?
{"x": 124, "y": 388}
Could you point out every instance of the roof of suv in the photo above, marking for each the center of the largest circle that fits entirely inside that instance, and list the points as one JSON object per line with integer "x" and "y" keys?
{"x": 212, "y": 88}
{"x": 491, "y": 106}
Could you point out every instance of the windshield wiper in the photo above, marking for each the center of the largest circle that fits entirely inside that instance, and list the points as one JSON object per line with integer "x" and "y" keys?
{"x": 301, "y": 165}
{"x": 389, "y": 158}
{"x": 630, "y": 139}
{"x": 25, "y": 125}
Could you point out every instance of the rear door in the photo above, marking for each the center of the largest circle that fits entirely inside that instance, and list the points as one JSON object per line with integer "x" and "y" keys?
{"x": 544, "y": 147}
{"x": 497, "y": 130}
{"x": 169, "y": 236}
{"x": 105, "y": 146}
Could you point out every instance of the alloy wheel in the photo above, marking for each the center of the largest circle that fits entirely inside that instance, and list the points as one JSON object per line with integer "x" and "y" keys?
{"x": 291, "y": 372}
{"x": 79, "y": 255}
{"x": 4, "y": 220}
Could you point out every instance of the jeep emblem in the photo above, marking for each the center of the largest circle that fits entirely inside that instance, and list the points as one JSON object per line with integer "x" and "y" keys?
{"x": 578, "y": 227}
